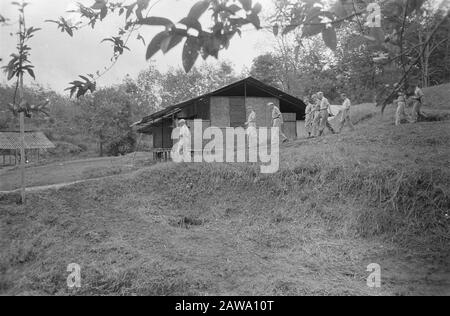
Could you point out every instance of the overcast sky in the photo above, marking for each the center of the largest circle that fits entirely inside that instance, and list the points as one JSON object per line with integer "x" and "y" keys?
{"x": 59, "y": 58}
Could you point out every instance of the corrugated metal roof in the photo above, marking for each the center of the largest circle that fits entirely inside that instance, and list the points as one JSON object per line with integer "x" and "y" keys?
{"x": 33, "y": 140}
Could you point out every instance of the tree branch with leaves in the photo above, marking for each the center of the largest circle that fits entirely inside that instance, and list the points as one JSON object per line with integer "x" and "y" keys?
{"x": 20, "y": 64}
{"x": 228, "y": 17}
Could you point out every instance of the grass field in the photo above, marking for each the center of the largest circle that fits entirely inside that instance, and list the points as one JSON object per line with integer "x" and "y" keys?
{"x": 70, "y": 171}
{"x": 377, "y": 195}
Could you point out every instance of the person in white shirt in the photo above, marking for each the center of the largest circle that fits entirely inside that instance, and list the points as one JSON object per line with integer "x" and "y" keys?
{"x": 400, "y": 114}
{"x": 316, "y": 115}
{"x": 184, "y": 143}
{"x": 309, "y": 116}
{"x": 324, "y": 114}
{"x": 345, "y": 118}
{"x": 418, "y": 101}
{"x": 251, "y": 125}
{"x": 277, "y": 118}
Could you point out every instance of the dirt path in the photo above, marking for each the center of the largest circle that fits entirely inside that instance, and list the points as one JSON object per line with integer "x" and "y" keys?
{"x": 54, "y": 186}
{"x": 64, "y": 173}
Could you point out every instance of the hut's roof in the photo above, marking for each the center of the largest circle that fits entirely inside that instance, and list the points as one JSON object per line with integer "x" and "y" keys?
{"x": 33, "y": 140}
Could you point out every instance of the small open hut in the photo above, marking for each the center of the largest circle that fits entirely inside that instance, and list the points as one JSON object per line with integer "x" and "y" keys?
{"x": 35, "y": 143}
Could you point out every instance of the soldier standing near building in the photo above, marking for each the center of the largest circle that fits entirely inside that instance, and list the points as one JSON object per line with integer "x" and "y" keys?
{"x": 251, "y": 127}
{"x": 418, "y": 101}
{"x": 309, "y": 116}
{"x": 277, "y": 118}
{"x": 184, "y": 144}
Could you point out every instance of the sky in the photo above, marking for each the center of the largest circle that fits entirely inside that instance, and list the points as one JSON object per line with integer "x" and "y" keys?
{"x": 59, "y": 58}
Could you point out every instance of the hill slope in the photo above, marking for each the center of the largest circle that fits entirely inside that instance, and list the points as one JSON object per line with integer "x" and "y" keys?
{"x": 438, "y": 97}
{"x": 378, "y": 195}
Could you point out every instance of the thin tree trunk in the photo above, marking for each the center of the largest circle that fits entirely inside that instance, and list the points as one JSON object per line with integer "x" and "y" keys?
{"x": 422, "y": 61}
{"x": 402, "y": 48}
{"x": 22, "y": 114}
{"x": 426, "y": 73}
{"x": 447, "y": 53}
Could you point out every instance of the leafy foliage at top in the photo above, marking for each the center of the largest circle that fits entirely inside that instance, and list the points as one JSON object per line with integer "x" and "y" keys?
{"x": 20, "y": 64}
{"x": 308, "y": 18}
{"x": 228, "y": 18}
{"x": 199, "y": 42}
{"x": 315, "y": 17}
{"x": 80, "y": 88}
{"x": 64, "y": 25}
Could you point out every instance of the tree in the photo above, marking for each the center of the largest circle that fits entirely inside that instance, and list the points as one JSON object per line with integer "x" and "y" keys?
{"x": 266, "y": 69}
{"x": 153, "y": 90}
{"x": 146, "y": 91}
{"x": 34, "y": 95}
{"x": 300, "y": 68}
{"x": 357, "y": 72}
{"x": 106, "y": 115}
{"x": 434, "y": 63}
{"x": 18, "y": 66}
{"x": 382, "y": 24}
{"x": 179, "y": 86}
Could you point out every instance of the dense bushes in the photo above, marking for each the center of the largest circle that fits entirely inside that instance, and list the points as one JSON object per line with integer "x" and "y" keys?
{"x": 122, "y": 146}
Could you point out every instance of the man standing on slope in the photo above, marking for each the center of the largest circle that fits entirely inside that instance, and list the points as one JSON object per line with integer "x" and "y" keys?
{"x": 400, "y": 114}
{"x": 277, "y": 118}
{"x": 418, "y": 99}
{"x": 345, "y": 119}
{"x": 324, "y": 114}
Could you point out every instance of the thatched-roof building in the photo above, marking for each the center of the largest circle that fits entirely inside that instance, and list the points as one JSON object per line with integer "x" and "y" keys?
{"x": 10, "y": 145}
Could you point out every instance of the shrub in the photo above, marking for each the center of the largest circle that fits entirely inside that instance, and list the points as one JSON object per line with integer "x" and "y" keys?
{"x": 122, "y": 146}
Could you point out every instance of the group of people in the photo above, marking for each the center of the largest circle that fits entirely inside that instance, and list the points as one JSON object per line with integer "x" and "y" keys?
{"x": 318, "y": 112}
{"x": 401, "y": 101}
{"x": 277, "y": 121}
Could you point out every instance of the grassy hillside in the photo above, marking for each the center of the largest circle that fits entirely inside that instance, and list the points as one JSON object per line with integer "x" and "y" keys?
{"x": 438, "y": 97}
{"x": 377, "y": 195}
